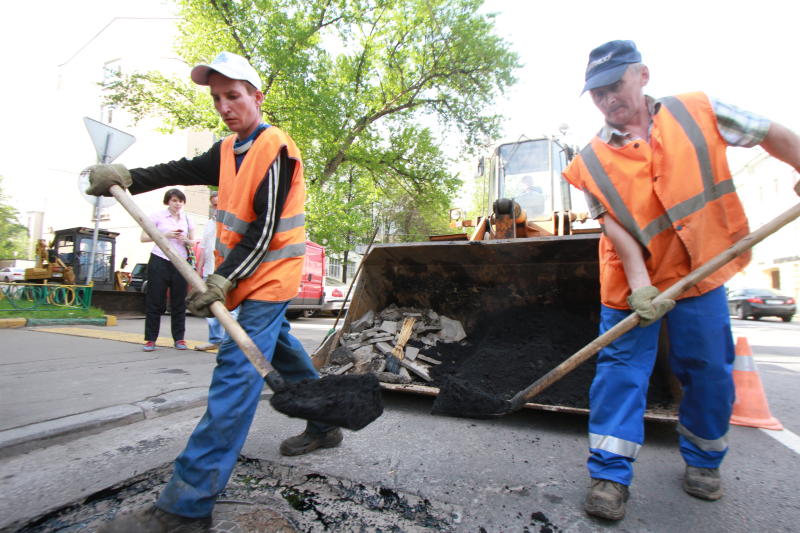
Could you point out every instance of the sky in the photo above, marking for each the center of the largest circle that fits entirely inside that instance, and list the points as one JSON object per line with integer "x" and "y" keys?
{"x": 742, "y": 52}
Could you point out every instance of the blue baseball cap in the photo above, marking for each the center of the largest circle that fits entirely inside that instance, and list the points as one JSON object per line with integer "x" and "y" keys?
{"x": 608, "y": 62}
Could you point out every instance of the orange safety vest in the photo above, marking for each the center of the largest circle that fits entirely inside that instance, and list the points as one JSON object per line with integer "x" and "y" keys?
{"x": 674, "y": 195}
{"x": 277, "y": 278}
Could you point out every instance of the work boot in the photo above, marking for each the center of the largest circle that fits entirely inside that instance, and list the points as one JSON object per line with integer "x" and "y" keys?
{"x": 153, "y": 520}
{"x": 606, "y": 499}
{"x": 309, "y": 440}
{"x": 703, "y": 483}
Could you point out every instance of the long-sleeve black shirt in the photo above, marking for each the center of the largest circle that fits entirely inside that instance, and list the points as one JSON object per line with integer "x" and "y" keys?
{"x": 204, "y": 170}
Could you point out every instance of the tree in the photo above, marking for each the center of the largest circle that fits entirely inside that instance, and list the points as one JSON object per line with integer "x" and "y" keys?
{"x": 360, "y": 85}
{"x": 13, "y": 236}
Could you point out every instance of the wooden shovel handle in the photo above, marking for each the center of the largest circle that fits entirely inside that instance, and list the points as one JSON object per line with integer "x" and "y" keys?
{"x": 224, "y": 316}
{"x": 675, "y": 290}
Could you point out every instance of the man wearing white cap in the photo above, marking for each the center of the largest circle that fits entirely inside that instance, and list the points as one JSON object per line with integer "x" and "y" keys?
{"x": 259, "y": 257}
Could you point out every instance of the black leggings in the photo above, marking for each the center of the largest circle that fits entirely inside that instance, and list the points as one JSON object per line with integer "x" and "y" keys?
{"x": 162, "y": 276}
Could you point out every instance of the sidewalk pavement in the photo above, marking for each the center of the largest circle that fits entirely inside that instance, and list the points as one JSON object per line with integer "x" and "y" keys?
{"x": 65, "y": 381}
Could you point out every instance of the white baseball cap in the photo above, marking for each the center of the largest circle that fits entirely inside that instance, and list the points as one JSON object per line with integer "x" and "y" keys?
{"x": 229, "y": 65}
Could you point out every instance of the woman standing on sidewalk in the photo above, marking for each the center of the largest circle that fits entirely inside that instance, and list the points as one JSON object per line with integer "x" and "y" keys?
{"x": 162, "y": 276}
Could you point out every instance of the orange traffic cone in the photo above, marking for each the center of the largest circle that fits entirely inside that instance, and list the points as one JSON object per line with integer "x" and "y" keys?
{"x": 750, "y": 407}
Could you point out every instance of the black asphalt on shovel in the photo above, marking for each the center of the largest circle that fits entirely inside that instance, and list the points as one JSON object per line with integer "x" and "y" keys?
{"x": 351, "y": 401}
{"x": 460, "y": 398}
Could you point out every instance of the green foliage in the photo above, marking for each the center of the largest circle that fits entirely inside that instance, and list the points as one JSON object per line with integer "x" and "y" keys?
{"x": 13, "y": 236}
{"x": 360, "y": 85}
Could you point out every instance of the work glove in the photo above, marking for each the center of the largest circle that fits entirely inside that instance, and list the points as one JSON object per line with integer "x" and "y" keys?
{"x": 641, "y": 302}
{"x": 102, "y": 177}
{"x": 217, "y": 287}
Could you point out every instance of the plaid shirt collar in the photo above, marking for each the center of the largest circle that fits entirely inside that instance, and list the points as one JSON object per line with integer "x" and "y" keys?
{"x": 611, "y": 135}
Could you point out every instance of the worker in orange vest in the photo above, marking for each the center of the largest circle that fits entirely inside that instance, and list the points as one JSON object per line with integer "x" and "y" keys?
{"x": 656, "y": 177}
{"x": 260, "y": 248}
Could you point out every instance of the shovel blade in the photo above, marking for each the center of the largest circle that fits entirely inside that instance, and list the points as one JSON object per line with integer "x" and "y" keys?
{"x": 349, "y": 401}
{"x": 460, "y": 398}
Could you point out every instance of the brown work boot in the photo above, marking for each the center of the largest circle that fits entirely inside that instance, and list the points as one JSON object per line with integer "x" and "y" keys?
{"x": 153, "y": 520}
{"x": 606, "y": 499}
{"x": 703, "y": 483}
{"x": 308, "y": 441}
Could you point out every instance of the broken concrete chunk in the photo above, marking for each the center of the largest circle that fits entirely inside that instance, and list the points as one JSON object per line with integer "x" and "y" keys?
{"x": 388, "y": 377}
{"x": 363, "y": 323}
{"x": 430, "y": 339}
{"x": 389, "y": 326}
{"x": 341, "y": 356}
{"x": 411, "y": 352}
{"x": 452, "y": 330}
{"x": 416, "y": 368}
{"x": 384, "y": 347}
{"x": 383, "y": 338}
{"x": 363, "y": 355}
{"x": 430, "y": 360}
{"x": 343, "y": 369}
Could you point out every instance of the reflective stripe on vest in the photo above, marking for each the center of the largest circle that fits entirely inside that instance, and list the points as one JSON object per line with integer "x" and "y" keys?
{"x": 607, "y": 443}
{"x": 291, "y": 250}
{"x": 236, "y": 225}
{"x": 715, "y": 445}
{"x": 711, "y": 191}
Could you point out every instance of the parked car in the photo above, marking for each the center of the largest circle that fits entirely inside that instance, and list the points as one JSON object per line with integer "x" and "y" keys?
{"x": 138, "y": 278}
{"x": 335, "y": 292}
{"x": 12, "y": 274}
{"x": 744, "y": 303}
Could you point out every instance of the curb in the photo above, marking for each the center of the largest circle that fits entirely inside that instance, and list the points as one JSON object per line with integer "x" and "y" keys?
{"x": 24, "y": 438}
{"x": 107, "y": 320}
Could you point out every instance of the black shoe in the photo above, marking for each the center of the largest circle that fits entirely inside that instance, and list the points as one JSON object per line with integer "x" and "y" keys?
{"x": 308, "y": 441}
{"x": 153, "y": 520}
{"x": 606, "y": 499}
{"x": 703, "y": 483}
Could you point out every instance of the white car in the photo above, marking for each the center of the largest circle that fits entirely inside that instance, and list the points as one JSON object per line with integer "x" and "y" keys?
{"x": 335, "y": 292}
{"x": 12, "y": 274}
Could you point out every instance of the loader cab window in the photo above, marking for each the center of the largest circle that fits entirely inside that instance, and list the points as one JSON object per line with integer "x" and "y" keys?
{"x": 526, "y": 176}
{"x": 102, "y": 259}
{"x": 65, "y": 249}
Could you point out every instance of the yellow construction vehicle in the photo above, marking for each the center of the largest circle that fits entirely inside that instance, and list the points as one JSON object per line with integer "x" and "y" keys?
{"x": 67, "y": 260}
{"x": 49, "y": 267}
{"x": 533, "y": 253}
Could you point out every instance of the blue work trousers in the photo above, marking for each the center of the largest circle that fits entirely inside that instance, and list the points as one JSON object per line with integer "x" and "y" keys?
{"x": 701, "y": 356}
{"x": 203, "y": 468}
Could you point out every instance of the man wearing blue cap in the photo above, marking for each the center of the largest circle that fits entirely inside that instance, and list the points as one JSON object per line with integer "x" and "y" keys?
{"x": 260, "y": 245}
{"x": 656, "y": 177}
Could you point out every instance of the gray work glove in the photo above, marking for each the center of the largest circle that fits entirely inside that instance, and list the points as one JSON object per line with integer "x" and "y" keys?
{"x": 217, "y": 287}
{"x": 102, "y": 177}
{"x": 641, "y": 302}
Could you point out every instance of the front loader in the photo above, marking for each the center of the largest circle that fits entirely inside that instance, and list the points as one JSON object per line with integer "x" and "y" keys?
{"x": 529, "y": 273}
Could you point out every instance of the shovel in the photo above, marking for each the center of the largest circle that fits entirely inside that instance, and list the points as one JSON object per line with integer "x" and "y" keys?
{"x": 459, "y": 398}
{"x": 350, "y": 402}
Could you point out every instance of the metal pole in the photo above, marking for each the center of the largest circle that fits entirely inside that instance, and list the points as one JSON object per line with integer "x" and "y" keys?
{"x": 93, "y": 251}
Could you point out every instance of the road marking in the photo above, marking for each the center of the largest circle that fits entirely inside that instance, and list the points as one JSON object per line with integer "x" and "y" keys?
{"x": 785, "y": 437}
{"x": 121, "y": 336}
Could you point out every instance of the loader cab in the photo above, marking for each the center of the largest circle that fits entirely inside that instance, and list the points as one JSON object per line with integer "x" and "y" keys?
{"x": 529, "y": 172}
{"x": 73, "y": 246}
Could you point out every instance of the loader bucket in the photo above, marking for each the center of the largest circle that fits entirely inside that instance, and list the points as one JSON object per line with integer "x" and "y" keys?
{"x": 481, "y": 282}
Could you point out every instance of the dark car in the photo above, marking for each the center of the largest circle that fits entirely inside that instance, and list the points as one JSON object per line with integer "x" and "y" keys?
{"x": 744, "y": 303}
{"x": 138, "y": 278}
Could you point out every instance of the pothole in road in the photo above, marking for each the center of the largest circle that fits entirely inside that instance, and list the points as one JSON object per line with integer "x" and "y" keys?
{"x": 309, "y": 501}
